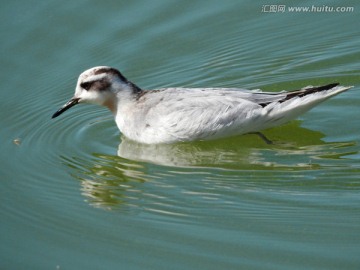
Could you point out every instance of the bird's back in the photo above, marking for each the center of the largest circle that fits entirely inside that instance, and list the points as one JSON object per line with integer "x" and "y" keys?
{"x": 184, "y": 114}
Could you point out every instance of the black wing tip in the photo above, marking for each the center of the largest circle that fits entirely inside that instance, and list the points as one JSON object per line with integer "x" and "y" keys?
{"x": 309, "y": 90}
{"x": 325, "y": 87}
{"x": 304, "y": 92}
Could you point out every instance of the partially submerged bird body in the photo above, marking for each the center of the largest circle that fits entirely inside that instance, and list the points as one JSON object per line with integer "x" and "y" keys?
{"x": 185, "y": 114}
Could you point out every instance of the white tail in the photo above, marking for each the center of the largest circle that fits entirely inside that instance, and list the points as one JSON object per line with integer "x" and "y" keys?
{"x": 299, "y": 102}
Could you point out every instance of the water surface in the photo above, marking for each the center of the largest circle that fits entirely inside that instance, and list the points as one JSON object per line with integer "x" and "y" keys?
{"x": 77, "y": 195}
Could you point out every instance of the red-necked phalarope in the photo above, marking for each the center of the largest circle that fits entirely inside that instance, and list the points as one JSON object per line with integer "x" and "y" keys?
{"x": 185, "y": 114}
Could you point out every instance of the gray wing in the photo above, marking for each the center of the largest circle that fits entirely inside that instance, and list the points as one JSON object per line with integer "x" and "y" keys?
{"x": 199, "y": 113}
{"x": 255, "y": 96}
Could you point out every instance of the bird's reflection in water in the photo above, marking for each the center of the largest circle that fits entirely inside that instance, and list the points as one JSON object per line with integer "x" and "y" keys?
{"x": 247, "y": 152}
{"x": 112, "y": 181}
{"x": 108, "y": 181}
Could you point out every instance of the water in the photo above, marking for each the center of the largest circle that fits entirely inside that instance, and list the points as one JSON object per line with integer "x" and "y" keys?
{"x": 76, "y": 195}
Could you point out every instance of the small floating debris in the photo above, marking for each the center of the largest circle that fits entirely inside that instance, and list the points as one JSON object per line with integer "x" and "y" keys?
{"x": 17, "y": 141}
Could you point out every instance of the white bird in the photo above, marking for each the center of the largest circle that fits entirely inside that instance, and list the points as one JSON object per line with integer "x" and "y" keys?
{"x": 185, "y": 114}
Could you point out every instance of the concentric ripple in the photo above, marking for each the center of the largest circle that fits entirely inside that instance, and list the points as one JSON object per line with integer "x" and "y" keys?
{"x": 75, "y": 191}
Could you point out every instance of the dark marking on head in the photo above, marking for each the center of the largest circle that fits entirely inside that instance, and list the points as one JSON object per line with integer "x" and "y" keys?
{"x": 115, "y": 72}
{"x": 147, "y": 125}
{"x": 110, "y": 70}
{"x": 134, "y": 87}
{"x": 100, "y": 85}
{"x": 86, "y": 85}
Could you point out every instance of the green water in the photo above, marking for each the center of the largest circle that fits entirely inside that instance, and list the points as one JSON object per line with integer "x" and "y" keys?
{"x": 76, "y": 195}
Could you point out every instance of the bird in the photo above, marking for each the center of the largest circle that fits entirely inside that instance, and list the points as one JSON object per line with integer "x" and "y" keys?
{"x": 177, "y": 114}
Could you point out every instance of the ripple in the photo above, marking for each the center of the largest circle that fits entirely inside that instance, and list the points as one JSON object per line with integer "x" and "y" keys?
{"x": 133, "y": 184}
{"x": 74, "y": 187}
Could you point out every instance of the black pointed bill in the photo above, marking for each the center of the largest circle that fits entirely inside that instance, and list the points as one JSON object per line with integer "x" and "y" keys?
{"x": 72, "y": 102}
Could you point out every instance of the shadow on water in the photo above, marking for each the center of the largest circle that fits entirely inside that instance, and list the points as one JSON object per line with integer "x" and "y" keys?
{"x": 109, "y": 181}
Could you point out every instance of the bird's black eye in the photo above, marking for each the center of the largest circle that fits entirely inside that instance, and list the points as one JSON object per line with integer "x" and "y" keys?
{"x": 86, "y": 85}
